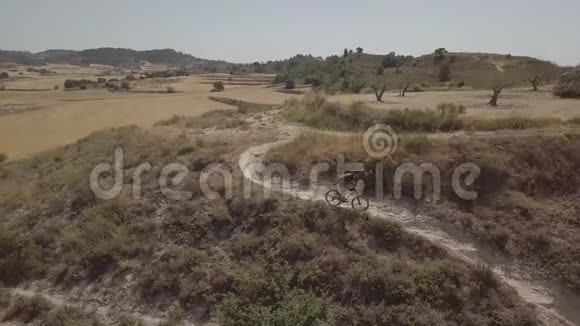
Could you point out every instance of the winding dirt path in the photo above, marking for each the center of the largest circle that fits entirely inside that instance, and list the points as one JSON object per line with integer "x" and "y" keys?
{"x": 555, "y": 304}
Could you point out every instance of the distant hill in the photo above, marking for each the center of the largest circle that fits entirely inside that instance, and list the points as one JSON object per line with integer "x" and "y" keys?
{"x": 114, "y": 57}
{"x": 474, "y": 69}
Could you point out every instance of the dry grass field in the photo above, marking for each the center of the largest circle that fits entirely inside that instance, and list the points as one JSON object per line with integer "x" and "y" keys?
{"x": 522, "y": 102}
{"x": 36, "y": 117}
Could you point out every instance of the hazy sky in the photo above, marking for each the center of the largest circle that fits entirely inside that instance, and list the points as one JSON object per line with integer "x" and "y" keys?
{"x": 244, "y": 31}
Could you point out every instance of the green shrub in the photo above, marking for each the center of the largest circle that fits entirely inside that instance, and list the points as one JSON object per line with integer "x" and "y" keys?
{"x": 218, "y": 86}
{"x": 279, "y": 79}
{"x": 313, "y": 80}
{"x": 356, "y": 85}
{"x": 289, "y": 84}
{"x": 170, "y": 90}
{"x": 69, "y": 83}
{"x": 380, "y": 70}
{"x": 125, "y": 85}
{"x": 3, "y": 157}
{"x": 81, "y": 83}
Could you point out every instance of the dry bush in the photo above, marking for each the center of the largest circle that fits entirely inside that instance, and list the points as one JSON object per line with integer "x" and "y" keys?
{"x": 39, "y": 311}
{"x": 243, "y": 261}
{"x": 218, "y": 86}
{"x": 569, "y": 85}
{"x": 316, "y": 112}
{"x": 526, "y": 207}
{"x": 27, "y": 310}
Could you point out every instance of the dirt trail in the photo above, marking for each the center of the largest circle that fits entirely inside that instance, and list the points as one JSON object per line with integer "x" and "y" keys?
{"x": 555, "y": 304}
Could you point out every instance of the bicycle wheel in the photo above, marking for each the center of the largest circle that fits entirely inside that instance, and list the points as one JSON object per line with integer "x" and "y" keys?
{"x": 360, "y": 204}
{"x": 334, "y": 198}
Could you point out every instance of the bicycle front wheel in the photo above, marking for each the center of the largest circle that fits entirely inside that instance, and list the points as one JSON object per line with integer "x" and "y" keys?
{"x": 360, "y": 204}
{"x": 334, "y": 198}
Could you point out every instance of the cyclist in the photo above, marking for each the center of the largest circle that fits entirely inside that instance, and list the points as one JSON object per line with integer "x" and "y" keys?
{"x": 353, "y": 180}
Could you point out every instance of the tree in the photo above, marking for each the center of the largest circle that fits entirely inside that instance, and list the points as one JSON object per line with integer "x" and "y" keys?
{"x": 441, "y": 52}
{"x": 498, "y": 82}
{"x": 289, "y": 84}
{"x": 278, "y": 66}
{"x": 4, "y": 75}
{"x": 439, "y": 55}
{"x": 359, "y": 50}
{"x": 345, "y": 54}
{"x": 218, "y": 86}
{"x": 445, "y": 73}
{"x": 390, "y": 60}
{"x": 125, "y": 85}
{"x": 535, "y": 81}
{"x": 379, "y": 86}
{"x": 497, "y": 89}
{"x": 404, "y": 86}
{"x": 70, "y": 83}
{"x": 380, "y": 70}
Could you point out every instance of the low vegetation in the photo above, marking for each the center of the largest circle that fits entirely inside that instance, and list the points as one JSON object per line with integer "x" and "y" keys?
{"x": 238, "y": 261}
{"x": 569, "y": 85}
{"x": 37, "y": 310}
{"x": 166, "y": 73}
{"x": 217, "y": 119}
{"x": 315, "y": 111}
{"x": 218, "y": 86}
{"x": 441, "y": 69}
{"x": 528, "y": 205}
{"x": 112, "y": 84}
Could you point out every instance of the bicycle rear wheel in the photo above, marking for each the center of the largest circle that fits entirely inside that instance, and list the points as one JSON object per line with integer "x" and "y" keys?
{"x": 360, "y": 204}
{"x": 334, "y": 198}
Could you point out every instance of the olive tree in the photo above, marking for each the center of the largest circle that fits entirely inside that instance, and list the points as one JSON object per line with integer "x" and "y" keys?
{"x": 379, "y": 86}
{"x": 498, "y": 81}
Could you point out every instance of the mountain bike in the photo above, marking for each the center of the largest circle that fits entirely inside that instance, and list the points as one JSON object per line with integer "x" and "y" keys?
{"x": 336, "y": 198}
